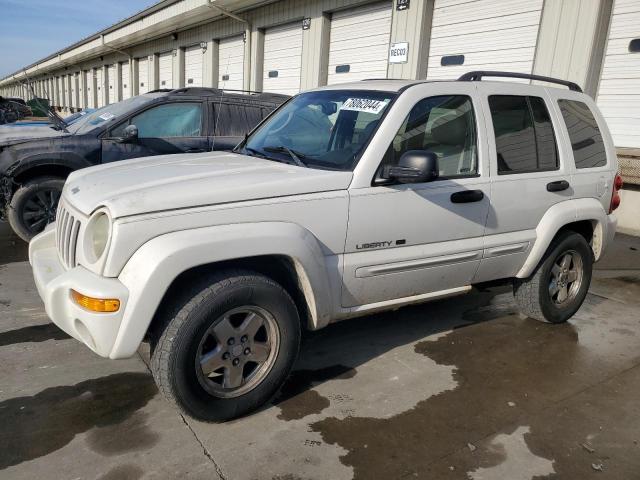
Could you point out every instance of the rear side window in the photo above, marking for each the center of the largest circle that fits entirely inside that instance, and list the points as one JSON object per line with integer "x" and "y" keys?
{"x": 236, "y": 120}
{"x": 586, "y": 140}
{"x": 525, "y": 141}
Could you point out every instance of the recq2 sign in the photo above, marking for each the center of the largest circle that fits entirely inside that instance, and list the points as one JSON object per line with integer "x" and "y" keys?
{"x": 399, "y": 52}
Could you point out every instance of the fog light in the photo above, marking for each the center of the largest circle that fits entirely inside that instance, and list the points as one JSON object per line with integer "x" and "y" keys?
{"x": 102, "y": 305}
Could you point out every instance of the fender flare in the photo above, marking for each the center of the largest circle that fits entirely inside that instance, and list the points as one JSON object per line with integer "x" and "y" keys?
{"x": 152, "y": 269}
{"x": 65, "y": 159}
{"x": 560, "y": 215}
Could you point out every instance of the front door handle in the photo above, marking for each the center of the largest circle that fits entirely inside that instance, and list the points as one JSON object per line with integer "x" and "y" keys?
{"x": 195, "y": 150}
{"x": 557, "y": 186}
{"x": 467, "y": 196}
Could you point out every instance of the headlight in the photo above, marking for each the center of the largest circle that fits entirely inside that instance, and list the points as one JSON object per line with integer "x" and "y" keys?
{"x": 97, "y": 234}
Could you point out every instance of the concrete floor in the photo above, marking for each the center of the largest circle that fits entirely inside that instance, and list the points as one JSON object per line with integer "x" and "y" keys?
{"x": 461, "y": 388}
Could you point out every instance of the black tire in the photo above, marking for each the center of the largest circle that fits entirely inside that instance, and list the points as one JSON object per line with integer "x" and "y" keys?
{"x": 10, "y": 117}
{"x": 177, "y": 343}
{"x": 44, "y": 191}
{"x": 534, "y": 294}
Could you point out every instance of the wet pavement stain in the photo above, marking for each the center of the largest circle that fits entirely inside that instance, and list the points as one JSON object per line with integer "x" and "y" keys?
{"x": 37, "y": 425}
{"x": 123, "y": 472}
{"x": 131, "y": 435}
{"x": 34, "y": 333}
{"x": 296, "y": 400}
{"x": 497, "y": 362}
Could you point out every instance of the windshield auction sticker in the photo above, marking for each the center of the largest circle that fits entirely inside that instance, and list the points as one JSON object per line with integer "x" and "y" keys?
{"x": 364, "y": 105}
{"x": 107, "y": 116}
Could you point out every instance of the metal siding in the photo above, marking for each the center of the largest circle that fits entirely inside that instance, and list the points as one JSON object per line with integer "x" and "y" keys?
{"x": 283, "y": 54}
{"x": 491, "y": 35}
{"x": 231, "y": 60}
{"x": 193, "y": 66}
{"x": 125, "y": 80}
{"x": 619, "y": 91}
{"x": 360, "y": 38}
{"x": 165, "y": 68}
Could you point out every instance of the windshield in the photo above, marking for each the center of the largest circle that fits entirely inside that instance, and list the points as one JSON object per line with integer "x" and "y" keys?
{"x": 108, "y": 114}
{"x": 323, "y": 129}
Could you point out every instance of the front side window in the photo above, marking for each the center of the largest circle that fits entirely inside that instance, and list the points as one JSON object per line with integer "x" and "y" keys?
{"x": 525, "y": 141}
{"x": 586, "y": 140}
{"x": 166, "y": 121}
{"x": 325, "y": 129}
{"x": 444, "y": 125}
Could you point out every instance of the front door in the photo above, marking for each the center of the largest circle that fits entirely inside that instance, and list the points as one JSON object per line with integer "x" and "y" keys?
{"x": 410, "y": 239}
{"x": 162, "y": 129}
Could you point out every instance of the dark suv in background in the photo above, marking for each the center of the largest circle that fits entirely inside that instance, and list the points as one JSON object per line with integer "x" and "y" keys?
{"x": 188, "y": 120}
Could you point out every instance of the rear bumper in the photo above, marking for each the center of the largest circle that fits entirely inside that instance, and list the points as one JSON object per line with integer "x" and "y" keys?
{"x": 98, "y": 331}
{"x": 609, "y": 233}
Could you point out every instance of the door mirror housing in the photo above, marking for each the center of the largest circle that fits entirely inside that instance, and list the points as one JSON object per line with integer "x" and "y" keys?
{"x": 129, "y": 134}
{"x": 415, "y": 166}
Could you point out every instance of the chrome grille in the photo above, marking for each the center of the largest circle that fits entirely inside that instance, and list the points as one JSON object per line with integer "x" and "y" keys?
{"x": 67, "y": 230}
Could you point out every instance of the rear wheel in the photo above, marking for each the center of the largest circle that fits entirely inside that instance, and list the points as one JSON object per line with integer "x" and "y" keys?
{"x": 34, "y": 205}
{"x": 226, "y": 346}
{"x": 557, "y": 288}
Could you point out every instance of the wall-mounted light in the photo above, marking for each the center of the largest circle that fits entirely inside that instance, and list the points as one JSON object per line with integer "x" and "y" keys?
{"x": 203, "y": 46}
{"x": 174, "y": 36}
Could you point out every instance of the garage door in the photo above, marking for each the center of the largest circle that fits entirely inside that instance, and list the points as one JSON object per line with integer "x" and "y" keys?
{"x": 65, "y": 90}
{"x": 125, "y": 80}
{"x": 100, "y": 82}
{"x": 483, "y": 35}
{"x": 283, "y": 59}
{"x": 111, "y": 83}
{"x": 193, "y": 62}
{"x": 165, "y": 69}
{"x": 359, "y": 43}
{"x": 231, "y": 67}
{"x": 88, "y": 82}
{"x": 619, "y": 90}
{"x": 143, "y": 75}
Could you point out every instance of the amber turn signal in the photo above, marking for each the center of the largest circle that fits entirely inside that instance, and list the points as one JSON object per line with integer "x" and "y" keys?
{"x": 101, "y": 305}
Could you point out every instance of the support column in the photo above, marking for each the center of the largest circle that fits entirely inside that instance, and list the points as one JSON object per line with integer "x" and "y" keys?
{"x": 104, "y": 88}
{"x": 178, "y": 68}
{"x": 247, "y": 59}
{"x": 154, "y": 72}
{"x": 257, "y": 62}
{"x": 117, "y": 87}
{"x": 134, "y": 77}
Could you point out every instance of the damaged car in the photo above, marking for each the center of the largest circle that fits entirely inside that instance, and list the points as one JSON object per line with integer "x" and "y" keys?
{"x": 34, "y": 164}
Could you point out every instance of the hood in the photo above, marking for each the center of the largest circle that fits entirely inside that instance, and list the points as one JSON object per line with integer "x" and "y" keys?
{"x": 13, "y": 135}
{"x": 173, "y": 182}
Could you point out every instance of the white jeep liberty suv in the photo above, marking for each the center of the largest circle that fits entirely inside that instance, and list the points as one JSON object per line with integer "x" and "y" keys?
{"x": 348, "y": 199}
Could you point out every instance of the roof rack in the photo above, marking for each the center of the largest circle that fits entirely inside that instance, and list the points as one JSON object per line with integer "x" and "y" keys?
{"x": 477, "y": 75}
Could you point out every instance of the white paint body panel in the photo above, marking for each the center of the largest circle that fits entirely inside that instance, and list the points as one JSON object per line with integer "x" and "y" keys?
{"x": 193, "y": 64}
{"x": 172, "y": 213}
{"x": 360, "y": 39}
{"x": 283, "y": 57}
{"x": 231, "y": 63}
{"x": 143, "y": 75}
{"x": 165, "y": 70}
{"x": 619, "y": 90}
{"x": 491, "y": 36}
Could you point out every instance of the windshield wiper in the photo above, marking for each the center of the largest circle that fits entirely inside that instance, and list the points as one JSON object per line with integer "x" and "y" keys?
{"x": 295, "y": 156}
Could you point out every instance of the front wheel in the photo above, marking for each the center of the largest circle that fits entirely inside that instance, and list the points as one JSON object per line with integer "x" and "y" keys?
{"x": 34, "y": 205}
{"x": 227, "y": 346}
{"x": 556, "y": 290}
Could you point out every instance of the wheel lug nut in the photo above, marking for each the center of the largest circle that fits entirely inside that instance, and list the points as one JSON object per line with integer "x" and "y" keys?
{"x": 235, "y": 362}
{"x": 244, "y": 339}
{"x": 247, "y": 351}
{"x": 231, "y": 341}
{"x": 225, "y": 356}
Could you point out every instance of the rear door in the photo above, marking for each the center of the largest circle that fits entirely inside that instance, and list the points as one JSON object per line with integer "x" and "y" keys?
{"x": 232, "y": 121}
{"x": 176, "y": 127}
{"x": 530, "y": 173}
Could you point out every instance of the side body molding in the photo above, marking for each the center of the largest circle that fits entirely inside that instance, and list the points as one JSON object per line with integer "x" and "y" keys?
{"x": 562, "y": 214}
{"x": 152, "y": 269}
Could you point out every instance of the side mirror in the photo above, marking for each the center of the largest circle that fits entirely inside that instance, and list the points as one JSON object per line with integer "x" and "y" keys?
{"x": 129, "y": 134}
{"x": 415, "y": 166}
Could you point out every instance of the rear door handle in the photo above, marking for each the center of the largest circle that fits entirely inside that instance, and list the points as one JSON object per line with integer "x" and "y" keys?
{"x": 557, "y": 186}
{"x": 467, "y": 196}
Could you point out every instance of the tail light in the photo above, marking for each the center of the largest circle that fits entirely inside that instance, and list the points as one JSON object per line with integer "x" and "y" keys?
{"x": 615, "y": 196}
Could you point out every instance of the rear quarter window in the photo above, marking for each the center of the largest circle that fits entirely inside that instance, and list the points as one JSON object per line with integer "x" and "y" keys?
{"x": 584, "y": 134}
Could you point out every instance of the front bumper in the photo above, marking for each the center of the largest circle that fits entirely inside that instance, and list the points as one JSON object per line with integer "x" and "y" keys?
{"x": 54, "y": 283}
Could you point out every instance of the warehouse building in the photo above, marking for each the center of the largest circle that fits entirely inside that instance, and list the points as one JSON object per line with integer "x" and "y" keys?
{"x": 291, "y": 45}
